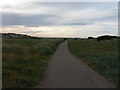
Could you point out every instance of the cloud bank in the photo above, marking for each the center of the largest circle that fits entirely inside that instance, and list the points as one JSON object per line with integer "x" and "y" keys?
{"x": 68, "y": 19}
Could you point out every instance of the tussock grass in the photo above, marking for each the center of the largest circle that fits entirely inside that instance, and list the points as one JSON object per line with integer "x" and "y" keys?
{"x": 25, "y": 60}
{"x": 101, "y": 56}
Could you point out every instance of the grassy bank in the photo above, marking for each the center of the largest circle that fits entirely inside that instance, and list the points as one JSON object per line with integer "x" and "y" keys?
{"x": 101, "y": 56}
{"x": 25, "y": 60}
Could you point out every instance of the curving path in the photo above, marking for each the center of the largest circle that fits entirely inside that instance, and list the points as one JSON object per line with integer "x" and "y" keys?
{"x": 66, "y": 71}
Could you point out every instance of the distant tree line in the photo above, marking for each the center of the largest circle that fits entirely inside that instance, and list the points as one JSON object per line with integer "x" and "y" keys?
{"x": 23, "y": 36}
{"x": 100, "y": 38}
{"x": 17, "y": 36}
{"x": 105, "y": 37}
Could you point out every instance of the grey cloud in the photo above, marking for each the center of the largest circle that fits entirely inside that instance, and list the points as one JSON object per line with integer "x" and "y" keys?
{"x": 58, "y": 17}
{"x": 76, "y": 5}
{"x": 33, "y": 20}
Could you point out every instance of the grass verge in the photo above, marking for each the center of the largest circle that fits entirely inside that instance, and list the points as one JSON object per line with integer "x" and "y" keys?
{"x": 25, "y": 60}
{"x": 101, "y": 56}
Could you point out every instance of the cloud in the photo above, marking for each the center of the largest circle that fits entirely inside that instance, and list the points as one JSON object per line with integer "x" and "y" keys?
{"x": 34, "y": 20}
{"x": 67, "y": 31}
{"x": 46, "y": 14}
{"x": 31, "y": 32}
{"x": 27, "y": 9}
{"x": 61, "y": 19}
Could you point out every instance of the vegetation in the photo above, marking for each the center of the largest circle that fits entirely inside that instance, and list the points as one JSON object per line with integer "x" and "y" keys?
{"x": 105, "y": 37}
{"x": 25, "y": 60}
{"x": 102, "y": 56}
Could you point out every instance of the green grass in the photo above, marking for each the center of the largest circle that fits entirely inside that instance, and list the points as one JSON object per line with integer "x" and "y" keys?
{"x": 25, "y": 60}
{"x": 101, "y": 56}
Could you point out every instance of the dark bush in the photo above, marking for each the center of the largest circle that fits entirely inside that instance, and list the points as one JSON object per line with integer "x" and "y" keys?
{"x": 106, "y": 37}
{"x": 91, "y": 38}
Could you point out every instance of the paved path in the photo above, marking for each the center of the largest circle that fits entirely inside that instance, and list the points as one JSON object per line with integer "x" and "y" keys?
{"x": 66, "y": 71}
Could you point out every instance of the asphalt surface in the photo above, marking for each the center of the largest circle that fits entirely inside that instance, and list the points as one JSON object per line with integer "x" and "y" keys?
{"x": 66, "y": 71}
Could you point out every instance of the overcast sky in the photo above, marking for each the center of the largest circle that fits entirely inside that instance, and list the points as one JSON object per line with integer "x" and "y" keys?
{"x": 61, "y": 19}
